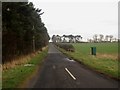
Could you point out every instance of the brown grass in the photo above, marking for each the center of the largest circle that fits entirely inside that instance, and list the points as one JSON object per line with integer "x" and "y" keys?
{"x": 44, "y": 48}
{"x": 107, "y": 56}
{"x": 17, "y": 61}
{"x": 20, "y": 60}
{"x": 0, "y": 67}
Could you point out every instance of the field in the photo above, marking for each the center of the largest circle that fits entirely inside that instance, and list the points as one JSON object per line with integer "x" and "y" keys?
{"x": 105, "y": 61}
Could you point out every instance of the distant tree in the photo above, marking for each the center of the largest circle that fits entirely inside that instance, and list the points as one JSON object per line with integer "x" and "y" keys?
{"x": 111, "y": 37}
{"x": 95, "y": 38}
{"x": 77, "y": 38}
{"x": 64, "y": 38}
{"x": 58, "y": 38}
{"x": 101, "y": 37}
{"x": 54, "y": 38}
{"x": 90, "y": 40}
{"x": 71, "y": 38}
{"x": 115, "y": 39}
{"x": 106, "y": 38}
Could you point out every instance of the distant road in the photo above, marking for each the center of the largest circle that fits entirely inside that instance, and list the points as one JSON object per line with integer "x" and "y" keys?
{"x": 60, "y": 72}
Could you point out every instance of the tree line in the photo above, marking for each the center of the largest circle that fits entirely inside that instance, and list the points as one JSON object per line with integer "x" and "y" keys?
{"x": 78, "y": 38}
{"x": 102, "y": 38}
{"x": 67, "y": 38}
{"x": 23, "y": 31}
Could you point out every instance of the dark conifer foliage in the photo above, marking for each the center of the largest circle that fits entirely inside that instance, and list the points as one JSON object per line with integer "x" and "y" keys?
{"x": 22, "y": 30}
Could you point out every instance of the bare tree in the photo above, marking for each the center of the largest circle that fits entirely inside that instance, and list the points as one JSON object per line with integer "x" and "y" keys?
{"x": 89, "y": 40}
{"x": 111, "y": 37}
{"x": 115, "y": 39}
{"x": 101, "y": 37}
{"x": 106, "y": 38}
{"x": 95, "y": 37}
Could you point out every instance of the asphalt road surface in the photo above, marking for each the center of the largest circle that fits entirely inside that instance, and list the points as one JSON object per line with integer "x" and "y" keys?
{"x": 58, "y": 71}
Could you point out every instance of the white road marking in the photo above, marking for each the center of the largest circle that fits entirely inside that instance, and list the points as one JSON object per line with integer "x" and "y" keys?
{"x": 70, "y": 73}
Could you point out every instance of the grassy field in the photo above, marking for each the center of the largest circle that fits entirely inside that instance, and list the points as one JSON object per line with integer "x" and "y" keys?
{"x": 12, "y": 78}
{"x": 105, "y": 61}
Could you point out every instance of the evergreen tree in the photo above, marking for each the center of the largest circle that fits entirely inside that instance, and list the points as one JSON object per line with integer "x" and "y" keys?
{"x": 21, "y": 25}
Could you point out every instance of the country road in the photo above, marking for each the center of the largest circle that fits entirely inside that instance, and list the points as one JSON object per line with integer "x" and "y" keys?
{"x": 58, "y": 71}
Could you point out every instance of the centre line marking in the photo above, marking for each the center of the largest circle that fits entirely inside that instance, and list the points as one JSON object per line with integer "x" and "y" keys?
{"x": 70, "y": 73}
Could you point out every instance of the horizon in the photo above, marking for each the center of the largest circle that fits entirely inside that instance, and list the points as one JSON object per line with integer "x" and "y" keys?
{"x": 80, "y": 18}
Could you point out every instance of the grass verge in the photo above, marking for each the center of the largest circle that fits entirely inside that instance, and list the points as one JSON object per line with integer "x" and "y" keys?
{"x": 12, "y": 78}
{"x": 103, "y": 65}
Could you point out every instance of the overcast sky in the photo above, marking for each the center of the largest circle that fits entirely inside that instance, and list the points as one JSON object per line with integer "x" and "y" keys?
{"x": 80, "y": 17}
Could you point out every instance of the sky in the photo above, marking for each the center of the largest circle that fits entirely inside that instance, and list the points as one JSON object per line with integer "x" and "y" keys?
{"x": 83, "y": 17}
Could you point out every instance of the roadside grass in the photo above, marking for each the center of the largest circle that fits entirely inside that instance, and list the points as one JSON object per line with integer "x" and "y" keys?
{"x": 105, "y": 65}
{"x": 12, "y": 78}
